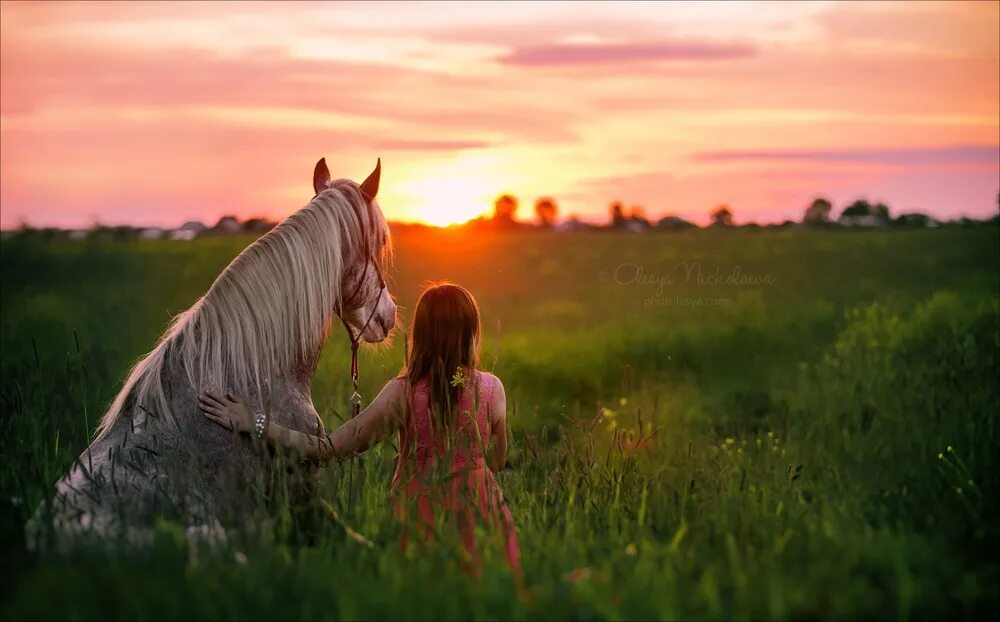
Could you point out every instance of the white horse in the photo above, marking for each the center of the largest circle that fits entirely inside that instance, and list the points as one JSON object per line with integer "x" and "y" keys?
{"x": 257, "y": 332}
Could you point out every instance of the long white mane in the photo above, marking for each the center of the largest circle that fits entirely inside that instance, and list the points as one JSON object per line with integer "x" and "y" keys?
{"x": 266, "y": 313}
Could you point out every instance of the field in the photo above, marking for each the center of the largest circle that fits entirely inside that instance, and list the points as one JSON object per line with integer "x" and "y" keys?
{"x": 711, "y": 424}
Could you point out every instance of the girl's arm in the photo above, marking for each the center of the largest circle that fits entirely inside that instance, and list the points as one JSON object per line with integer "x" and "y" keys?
{"x": 498, "y": 430}
{"x": 383, "y": 416}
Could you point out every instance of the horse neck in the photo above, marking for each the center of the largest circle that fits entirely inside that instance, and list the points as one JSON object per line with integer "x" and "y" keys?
{"x": 351, "y": 256}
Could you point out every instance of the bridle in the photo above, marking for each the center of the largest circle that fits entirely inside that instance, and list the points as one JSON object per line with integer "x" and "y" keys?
{"x": 355, "y": 340}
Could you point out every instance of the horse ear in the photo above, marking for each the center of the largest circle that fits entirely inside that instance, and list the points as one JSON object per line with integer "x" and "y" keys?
{"x": 369, "y": 187}
{"x": 321, "y": 176}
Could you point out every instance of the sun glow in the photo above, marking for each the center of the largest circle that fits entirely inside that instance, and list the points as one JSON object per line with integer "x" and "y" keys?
{"x": 445, "y": 197}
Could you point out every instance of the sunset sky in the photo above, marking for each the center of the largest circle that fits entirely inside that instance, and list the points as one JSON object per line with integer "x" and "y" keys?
{"x": 160, "y": 113}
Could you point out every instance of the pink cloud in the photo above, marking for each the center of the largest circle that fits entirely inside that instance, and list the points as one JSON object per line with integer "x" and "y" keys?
{"x": 940, "y": 156}
{"x": 86, "y": 75}
{"x": 556, "y": 54}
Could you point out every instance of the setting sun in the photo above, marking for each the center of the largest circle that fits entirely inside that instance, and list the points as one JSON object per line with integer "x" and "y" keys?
{"x": 445, "y": 194}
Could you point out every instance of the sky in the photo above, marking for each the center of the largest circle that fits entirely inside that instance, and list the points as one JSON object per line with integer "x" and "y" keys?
{"x": 158, "y": 113}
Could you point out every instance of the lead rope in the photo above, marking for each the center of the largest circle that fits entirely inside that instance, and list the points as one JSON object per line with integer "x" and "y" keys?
{"x": 356, "y": 396}
{"x": 355, "y": 343}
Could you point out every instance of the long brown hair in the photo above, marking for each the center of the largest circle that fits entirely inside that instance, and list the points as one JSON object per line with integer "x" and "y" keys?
{"x": 443, "y": 346}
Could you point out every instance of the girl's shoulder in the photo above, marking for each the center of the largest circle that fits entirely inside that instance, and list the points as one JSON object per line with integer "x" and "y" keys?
{"x": 398, "y": 385}
{"x": 488, "y": 381}
{"x": 491, "y": 391}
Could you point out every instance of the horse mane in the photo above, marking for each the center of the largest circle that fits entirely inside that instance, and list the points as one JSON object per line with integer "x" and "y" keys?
{"x": 266, "y": 313}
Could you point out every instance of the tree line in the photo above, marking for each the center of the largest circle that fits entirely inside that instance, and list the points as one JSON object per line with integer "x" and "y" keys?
{"x": 819, "y": 213}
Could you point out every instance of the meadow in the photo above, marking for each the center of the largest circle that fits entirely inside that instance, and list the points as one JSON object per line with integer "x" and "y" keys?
{"x": 713, "y": 424}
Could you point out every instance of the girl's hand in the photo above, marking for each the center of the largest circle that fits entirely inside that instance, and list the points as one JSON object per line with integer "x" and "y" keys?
{"x": 229, "y": 412}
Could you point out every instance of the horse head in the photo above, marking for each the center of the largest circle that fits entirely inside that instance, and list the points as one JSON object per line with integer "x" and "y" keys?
{"x": 365, "y": 306}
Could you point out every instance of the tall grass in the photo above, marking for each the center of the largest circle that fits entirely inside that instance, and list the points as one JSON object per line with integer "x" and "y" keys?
{"x": 820, "y": 447}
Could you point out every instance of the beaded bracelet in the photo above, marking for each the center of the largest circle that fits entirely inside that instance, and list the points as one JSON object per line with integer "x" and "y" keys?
{"x": 258, "y": 426}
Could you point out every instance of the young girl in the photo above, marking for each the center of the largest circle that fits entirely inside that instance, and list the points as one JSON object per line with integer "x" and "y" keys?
{"x": 451, "y": 419}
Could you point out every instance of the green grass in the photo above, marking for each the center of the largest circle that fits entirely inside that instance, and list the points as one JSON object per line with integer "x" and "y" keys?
{"x": 794, "y": 471}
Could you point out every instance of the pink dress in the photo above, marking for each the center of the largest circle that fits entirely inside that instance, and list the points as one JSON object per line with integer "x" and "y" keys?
{"x": 431, "y": 478}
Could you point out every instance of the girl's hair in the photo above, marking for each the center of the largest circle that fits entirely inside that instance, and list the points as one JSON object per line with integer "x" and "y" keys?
{"x": 443, "y": 346}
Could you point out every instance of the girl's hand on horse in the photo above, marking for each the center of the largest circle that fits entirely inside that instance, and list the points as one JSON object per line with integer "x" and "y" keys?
{"x": 229, "y": 412}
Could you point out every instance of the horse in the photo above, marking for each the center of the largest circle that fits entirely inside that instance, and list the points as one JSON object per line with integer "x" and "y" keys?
{"x": 257, "y": 332}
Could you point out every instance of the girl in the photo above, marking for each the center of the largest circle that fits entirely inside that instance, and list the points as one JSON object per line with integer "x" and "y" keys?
{"x": 451, "y": 419}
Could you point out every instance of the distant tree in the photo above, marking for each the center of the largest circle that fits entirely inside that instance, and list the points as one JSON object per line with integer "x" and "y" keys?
{"x": 545, "y": 212}
{"x": 228, "y": 224}
{"x": 722, "y": 216}
{"x": 861, "y": 208}
{"x": 818, "y": 212}
{"x": 638, "y": 214}
{"x": 504, "y": 210}
{"x": 618, "y": 219}
{"x": 914, "y": 219}
{"x": 858, "y": 208}
{"x": 881, "y": 211}
{"x": 258, "y": 225}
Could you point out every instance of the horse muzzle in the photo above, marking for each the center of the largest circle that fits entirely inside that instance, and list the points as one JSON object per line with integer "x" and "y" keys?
{"x": 382, "y": 323}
